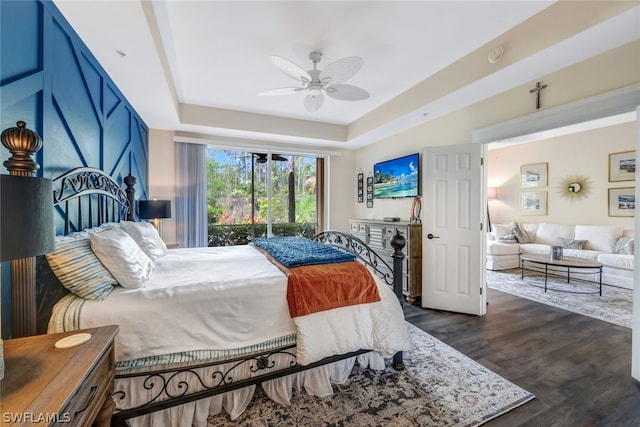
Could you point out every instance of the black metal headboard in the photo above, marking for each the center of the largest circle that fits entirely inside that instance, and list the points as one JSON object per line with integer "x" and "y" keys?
{"x": 86, "y": 197}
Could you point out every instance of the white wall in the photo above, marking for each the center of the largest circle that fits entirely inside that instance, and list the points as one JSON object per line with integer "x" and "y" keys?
{"x": 583, "y": 156}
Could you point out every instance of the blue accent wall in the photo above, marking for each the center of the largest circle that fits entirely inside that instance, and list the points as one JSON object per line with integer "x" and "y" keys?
{"x": 50, "y": 80}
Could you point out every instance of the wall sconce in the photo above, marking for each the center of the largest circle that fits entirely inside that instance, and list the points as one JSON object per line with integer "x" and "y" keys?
{"x": 155, "y": 210}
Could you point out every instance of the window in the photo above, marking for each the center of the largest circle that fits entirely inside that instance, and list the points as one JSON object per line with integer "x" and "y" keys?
{"x": 245, "y": 199}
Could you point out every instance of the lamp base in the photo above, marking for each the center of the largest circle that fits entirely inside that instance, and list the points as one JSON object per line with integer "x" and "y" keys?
{"x": 157, "y": 223}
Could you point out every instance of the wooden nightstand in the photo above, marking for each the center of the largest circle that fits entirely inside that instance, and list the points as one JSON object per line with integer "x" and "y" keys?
{"x": 45, "y": 385}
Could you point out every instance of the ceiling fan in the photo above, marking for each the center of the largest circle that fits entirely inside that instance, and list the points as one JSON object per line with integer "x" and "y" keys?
{"x": 329, "y": 80}
{"x": 262, "y": 158}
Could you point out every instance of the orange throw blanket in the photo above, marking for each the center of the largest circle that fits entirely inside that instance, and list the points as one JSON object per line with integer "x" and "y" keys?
{"x": 314, "y": 288}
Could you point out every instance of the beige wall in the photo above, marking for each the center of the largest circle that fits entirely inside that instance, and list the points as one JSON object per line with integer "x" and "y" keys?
{"x": 584, "y": 156}
{"x": 162, "y": 177}
{"x": 612, "y": 70}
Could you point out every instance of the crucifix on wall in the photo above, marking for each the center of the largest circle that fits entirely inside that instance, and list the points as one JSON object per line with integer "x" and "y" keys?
{"x": 537, "y": 90}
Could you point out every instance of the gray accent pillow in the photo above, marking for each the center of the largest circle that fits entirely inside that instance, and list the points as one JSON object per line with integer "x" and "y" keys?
{"x": 624, "y": 245}
{"x": 521, "y": 234}
{"x": 570, "y": 244}
{"x": 508, "y": 238}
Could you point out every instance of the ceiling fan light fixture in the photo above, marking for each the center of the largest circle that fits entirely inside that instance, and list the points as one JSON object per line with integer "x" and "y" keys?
{"x": 328, "y": 80}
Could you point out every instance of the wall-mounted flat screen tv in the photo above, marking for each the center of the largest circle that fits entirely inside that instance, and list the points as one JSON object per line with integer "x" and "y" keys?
{"x": 397, "y": 177}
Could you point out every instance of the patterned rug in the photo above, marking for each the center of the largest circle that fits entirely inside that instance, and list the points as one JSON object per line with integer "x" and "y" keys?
{"x": 439, "y": 387}
{"x": 614, "y": 306}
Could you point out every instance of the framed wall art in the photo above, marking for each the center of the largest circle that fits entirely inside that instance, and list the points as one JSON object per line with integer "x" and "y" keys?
{"x": 533, "y": 175}
{"x": 533, "y": 203}
{"x": 370, "y": 191}
{"x": 622, "y": 201}
{"x": 360, "y": 181}
{"x": 622, "y": 166}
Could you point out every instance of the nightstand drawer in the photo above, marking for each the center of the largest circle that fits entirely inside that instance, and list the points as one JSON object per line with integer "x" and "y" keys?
{"x": 92, "y": 393}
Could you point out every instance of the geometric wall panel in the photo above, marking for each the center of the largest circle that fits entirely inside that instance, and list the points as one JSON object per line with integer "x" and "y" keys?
{"x": 50, "y": 80}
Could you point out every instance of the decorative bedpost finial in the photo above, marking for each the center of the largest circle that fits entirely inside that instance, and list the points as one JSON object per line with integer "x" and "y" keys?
{"x": 130, "y": 182}
{"x": 398, "y": 241}
{"x": 23, "y": 144}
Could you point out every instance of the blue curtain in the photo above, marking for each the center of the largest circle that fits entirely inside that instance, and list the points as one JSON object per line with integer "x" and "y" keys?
{"x": 191, "y": 195}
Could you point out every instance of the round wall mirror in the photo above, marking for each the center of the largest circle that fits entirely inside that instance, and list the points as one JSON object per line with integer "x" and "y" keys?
{"x": 575, "y": 187}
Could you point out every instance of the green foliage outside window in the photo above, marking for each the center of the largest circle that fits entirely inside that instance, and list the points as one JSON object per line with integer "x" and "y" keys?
{"x": 232, "y": 177}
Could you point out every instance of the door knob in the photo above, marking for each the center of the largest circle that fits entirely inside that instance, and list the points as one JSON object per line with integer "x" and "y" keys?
{"x": 431, "y": 236}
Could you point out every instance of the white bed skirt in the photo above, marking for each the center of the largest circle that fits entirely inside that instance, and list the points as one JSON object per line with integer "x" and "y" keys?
{"x": 316, "y": 382}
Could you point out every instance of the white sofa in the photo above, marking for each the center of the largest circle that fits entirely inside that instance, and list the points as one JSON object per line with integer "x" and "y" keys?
{"x": 610, "y": 245}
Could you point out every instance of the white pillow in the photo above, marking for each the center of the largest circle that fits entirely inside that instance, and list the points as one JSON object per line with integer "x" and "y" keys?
{"x": 122, "y": 256}
{"x": 548, "y": 233}
{"x": 601, "y": 238}
{"x": 147, "y": 237}
{"x": 501, "y": 230}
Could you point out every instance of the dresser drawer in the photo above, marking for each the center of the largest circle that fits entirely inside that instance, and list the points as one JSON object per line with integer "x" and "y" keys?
{"x": 92, "y": 392}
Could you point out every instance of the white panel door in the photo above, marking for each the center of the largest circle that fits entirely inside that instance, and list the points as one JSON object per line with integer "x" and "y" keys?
{"x": 452, "y": 253}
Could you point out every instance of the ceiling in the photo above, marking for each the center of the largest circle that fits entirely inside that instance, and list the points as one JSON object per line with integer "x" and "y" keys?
{"x": 197, "y": 67}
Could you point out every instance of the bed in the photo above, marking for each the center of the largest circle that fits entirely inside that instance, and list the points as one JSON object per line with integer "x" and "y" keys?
{"x": 209, "y": 324}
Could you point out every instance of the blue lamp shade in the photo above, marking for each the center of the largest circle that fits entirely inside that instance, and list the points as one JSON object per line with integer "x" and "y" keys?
{"x": 26, "y": 224}
{"x": 154, "y": 209}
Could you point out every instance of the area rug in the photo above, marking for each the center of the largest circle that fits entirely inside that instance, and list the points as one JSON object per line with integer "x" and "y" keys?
{"x": 439, "y": 387}
{"x": 614, "y": 306}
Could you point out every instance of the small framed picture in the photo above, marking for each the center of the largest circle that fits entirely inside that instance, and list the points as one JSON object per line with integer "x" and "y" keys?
{"x": 622, "y": 201}
{"x": 533, "y": 203}
{"x": 533, "y": 175}
{"x": 622, "y": 166}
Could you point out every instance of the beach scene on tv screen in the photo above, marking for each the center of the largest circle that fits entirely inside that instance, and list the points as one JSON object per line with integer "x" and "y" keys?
{"x": 396, "y": 178}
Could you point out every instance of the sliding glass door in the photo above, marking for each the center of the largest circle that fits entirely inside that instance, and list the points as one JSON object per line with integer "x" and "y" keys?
{"x": 253, "y": 194}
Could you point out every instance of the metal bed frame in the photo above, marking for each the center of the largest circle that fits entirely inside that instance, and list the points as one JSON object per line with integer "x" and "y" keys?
{"x": 88, "y": 197}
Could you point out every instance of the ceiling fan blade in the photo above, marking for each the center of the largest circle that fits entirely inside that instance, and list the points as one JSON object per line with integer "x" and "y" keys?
{"x": 313, "y": 102}
{"x": 347, "y": 92}
{"x": 341, "y": 70}
{"x": 281, "y": 91}
{"x": 290, "y": 69}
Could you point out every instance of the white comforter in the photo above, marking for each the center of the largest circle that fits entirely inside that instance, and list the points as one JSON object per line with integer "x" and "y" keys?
{"x": 231, "y": 297}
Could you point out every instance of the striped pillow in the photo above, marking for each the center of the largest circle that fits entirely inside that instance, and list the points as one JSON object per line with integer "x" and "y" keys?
{"x": 78, "y": 268}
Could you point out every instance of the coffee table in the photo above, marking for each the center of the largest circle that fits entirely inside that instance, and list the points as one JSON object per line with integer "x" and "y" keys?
{"x": 572, "y": 265}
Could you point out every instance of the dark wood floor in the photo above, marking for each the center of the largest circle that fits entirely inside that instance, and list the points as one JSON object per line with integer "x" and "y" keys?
{"x": 579, "y": 368}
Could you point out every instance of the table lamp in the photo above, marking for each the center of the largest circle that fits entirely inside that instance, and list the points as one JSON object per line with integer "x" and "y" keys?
{"x": 155, "y": 210}
{"x": 26, "y": 230}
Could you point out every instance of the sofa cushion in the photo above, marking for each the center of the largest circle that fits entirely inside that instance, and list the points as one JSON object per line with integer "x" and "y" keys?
{"x": 548, "y": 233}
{"x": 582, "y": 253}
{"x": 535, "y": 248}
{"x": 624, "y": 262}
{"x": 496, "y": 248}
{"x": 600, "y": 237}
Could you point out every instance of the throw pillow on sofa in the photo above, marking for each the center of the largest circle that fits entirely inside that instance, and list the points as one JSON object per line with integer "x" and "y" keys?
{"x": 570, "y": 244}
{"x": 521, "y": 234}
{"x": 624, "y": 245}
